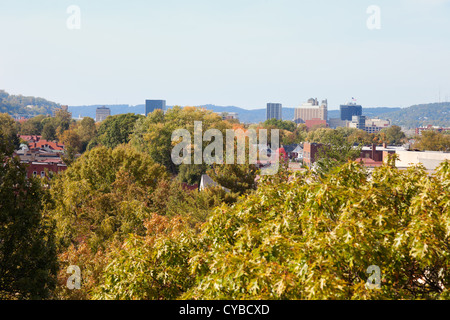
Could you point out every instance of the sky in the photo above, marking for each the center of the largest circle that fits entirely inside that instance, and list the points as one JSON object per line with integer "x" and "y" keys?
{"x": 242, "y": 53}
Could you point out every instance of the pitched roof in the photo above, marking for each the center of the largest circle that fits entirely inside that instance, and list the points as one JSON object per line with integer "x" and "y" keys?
{"x": 207, "y": 182}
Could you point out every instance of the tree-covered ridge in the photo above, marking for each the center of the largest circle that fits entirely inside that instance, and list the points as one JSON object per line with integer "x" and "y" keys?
{"x": 23, "y": 105}
{"x": 436, "y": 114}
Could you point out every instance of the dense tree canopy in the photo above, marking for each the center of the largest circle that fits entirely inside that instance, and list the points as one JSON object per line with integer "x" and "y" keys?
{"x": 432, "y": 141}
{"x": 153, "y": 134}
{"x": 8, "y": 130}
{"x": 28, "y": 262}
{"x": 314, "y": 238}
{"x": 117, "y": 129}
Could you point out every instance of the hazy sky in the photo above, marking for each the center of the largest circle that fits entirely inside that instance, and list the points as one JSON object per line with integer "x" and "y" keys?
{"x": 227, "y": 52}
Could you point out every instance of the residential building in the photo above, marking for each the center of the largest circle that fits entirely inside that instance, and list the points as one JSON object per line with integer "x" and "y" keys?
{"x": 41, "y": 168}
{"x": 152, "y": 105}
{"x": 310, "y": 151}
{"x": 311, "y": 110}
{"x": 375, "y": 156}
{"x": 102, "y": 113}
{"x": 48, "y": 146}
{"x": 40, "y": 156}
{"x": 293, "y": 151}
{"x": 274, "y": 111}
{"x": 207, "y": 182}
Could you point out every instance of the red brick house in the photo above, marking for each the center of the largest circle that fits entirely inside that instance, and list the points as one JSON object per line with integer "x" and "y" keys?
{"x": 39, "y": 168}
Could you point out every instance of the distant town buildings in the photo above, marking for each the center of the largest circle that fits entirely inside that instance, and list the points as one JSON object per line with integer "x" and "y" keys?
{"x": 102, "y": 113}
{"x": 274, "y": 111}
{"x": 374, "y": 125}
{"x": 430, "y": 128}
{"x": 228, "y": 115}
{"x": 311, "y": 110}
{"x": 351, "y": 117}
{"x": 41, "y": 156}
{"x": 358, "y": 122}
{"x": 152, "y": 105}
{"x": 334, "y": 123}
{"x": 316, "y": 122}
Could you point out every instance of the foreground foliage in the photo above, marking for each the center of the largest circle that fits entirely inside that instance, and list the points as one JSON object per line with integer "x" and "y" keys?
{"x": 305, "y": 237}
{"x": 28, "y": 262}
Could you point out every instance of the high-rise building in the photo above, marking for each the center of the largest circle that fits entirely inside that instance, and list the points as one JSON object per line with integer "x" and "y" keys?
{"x": 274, "y": 111}
{"x": 102, "y": 113}
{"x": 349, "y": 110}
{"x": 311, "y": 110}
{"x": 152, "y": 105}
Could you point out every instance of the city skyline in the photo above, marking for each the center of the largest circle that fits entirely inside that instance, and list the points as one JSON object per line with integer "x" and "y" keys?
{"x": 227, "y": 53}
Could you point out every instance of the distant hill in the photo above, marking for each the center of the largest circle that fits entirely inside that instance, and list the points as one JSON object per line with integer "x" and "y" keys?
{"x": 436, "y": 114}
{"x": 18, "y": 105}
{"x": 245, "y": 115}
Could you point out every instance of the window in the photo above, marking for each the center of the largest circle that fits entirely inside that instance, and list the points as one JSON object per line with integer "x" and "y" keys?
{"x": 42, "y": 174}
{"x": 34, "y": 173}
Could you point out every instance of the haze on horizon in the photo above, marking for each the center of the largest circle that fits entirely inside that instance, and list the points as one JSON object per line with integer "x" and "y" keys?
{"x": 241, "y": 53}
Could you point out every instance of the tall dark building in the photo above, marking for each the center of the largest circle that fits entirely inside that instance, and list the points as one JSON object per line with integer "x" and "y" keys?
{"x": 102, "y": 113}
{"x": 274, "y": 111}
{"x": 152, "y": 105}
{"x": 349, "y": 110}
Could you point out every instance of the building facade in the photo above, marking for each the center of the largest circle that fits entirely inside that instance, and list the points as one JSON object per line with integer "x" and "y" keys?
{"x": 310, "y": 151}
{"x": 102, "y": 113}
{"x": 334, "y": 123}
{"x": 274, "y": 111}
{"x": 152, "y": 105}
{"x": 349, "y": 110}
{"x": 358, "y": 122}
{"x": 311, "y": 110}
{"x": 374, "y": 125}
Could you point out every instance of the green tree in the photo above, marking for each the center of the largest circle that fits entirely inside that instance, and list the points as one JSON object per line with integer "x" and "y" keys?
{"x": 154, "y": 266}
{"x": 153, "y": 134}
{"x": 33, "y": 126}
{"x": 28, "y": 262}
{"x": 336, "y": 149}
{"x": 87, "y": 131}
{"x": 62, "y": 120}
{"x": 392, "y": 135}
{"x": 116, "y": 130}
{"x": 49, "y": 132}
{"x": 314, "y": 237}
{"x": 8, "y": 130}
{"x": 432, "y": 141}
{"x": 191, "y": 173}
{"x": 280, "y": 124}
